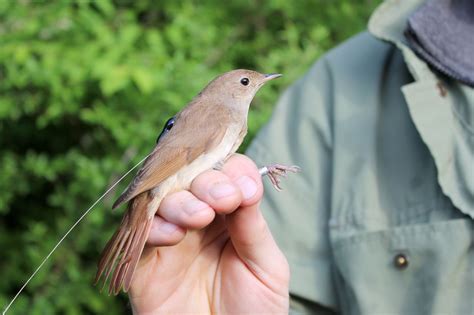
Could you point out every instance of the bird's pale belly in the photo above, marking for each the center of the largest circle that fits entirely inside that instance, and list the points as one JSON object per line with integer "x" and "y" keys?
{"x": 183, "y": 178}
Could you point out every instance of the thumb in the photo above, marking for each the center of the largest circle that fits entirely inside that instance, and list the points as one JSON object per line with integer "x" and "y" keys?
{"x": 248, "y": 230}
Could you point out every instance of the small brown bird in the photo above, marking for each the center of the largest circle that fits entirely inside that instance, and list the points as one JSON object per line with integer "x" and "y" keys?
{"x": 200, "y": 137}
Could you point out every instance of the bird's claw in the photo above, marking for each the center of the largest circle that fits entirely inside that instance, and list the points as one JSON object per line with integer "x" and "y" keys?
{"x": 275, "y": 171}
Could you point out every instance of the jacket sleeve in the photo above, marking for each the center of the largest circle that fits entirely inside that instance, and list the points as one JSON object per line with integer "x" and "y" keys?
{"x": 300, "y": 133}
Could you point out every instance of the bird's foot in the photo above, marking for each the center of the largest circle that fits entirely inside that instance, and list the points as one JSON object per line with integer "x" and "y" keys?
{"x": 219, "y": 165}
{"x": 276, "y": 171}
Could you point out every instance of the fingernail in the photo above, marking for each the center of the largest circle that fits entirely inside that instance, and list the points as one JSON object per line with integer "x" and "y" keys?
{"x": 193, "y": 206}
{"x": 221, "y": 190}
{"x": 168, "y": 228}
{"x": 247, "y": 186}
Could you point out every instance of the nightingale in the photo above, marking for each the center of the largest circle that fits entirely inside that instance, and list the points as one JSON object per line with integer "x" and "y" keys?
{"x": 200, "y": 137}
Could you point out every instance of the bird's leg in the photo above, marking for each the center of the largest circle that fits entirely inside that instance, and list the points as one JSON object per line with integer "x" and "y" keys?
{"x": 275, "y": 171}
{"x": 219, "y": 165}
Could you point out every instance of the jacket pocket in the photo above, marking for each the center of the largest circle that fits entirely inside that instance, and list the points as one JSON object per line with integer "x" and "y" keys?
{"x": 414, "y": 269}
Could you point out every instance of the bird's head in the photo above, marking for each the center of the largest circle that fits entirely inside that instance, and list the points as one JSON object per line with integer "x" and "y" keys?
{"x": 237, "y": 88}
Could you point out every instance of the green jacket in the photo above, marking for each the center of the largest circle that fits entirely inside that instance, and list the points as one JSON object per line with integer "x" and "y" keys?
{"x": 381, "y": 219}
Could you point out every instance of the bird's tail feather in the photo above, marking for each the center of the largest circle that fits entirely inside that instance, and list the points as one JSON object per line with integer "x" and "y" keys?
{"x": 121, "y": 254}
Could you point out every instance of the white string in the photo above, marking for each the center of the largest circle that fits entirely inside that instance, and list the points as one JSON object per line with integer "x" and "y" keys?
{"x": 67, "y": 233}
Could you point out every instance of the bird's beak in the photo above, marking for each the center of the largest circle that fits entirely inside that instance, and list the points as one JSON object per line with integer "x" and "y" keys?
{"x": 271, "y": 76}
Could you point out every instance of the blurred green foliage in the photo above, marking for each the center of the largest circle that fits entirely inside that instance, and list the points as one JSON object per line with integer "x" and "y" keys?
{"x": 85, "y": 88}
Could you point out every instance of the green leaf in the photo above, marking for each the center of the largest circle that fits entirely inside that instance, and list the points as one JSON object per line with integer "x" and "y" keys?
{"x": 117, "y": 79}
{"x": 143, "y": 79}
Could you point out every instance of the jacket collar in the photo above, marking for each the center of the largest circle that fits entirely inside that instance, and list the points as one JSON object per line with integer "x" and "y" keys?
{"x": 434, "y": 104}
{"x": 390, "y": 18}
{"x": 388, "y": 23}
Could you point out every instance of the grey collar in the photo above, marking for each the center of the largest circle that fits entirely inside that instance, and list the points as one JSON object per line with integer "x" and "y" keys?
{"x": 441, "y": 32}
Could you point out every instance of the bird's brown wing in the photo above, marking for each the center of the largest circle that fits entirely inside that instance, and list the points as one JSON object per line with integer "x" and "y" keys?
{"x": 196, "y": 131}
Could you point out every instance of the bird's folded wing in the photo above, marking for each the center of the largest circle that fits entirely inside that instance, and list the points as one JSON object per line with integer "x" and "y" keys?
{"x": 191, "y": 136}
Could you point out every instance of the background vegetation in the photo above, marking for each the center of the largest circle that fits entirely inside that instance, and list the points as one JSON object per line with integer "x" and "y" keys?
{"x": 85, "y": 88}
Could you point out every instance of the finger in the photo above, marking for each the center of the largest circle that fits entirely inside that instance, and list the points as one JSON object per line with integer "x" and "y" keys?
{"x": 185, "y": 210}
{"x": 163, "y": 233}
{"x": 249, "y": 231}
{"x": 243, "y": 172}
{"x": 217, "y": 190}
{"x": 255, "y": 245}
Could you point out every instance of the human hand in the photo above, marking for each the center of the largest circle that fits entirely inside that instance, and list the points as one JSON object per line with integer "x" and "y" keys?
{"x": 211, "y": 251}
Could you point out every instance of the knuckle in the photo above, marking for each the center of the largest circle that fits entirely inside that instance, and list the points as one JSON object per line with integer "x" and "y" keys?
{"x": 205, "y": 180}
{"x": 239, "y": 165}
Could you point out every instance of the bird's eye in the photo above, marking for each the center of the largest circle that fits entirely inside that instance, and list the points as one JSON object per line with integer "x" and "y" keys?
{"x": 245, "y": 81}
{"x": 168, "y": 125}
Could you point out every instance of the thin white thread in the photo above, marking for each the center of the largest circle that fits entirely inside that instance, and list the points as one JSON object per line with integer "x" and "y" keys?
{"x": 67, "y": 233}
